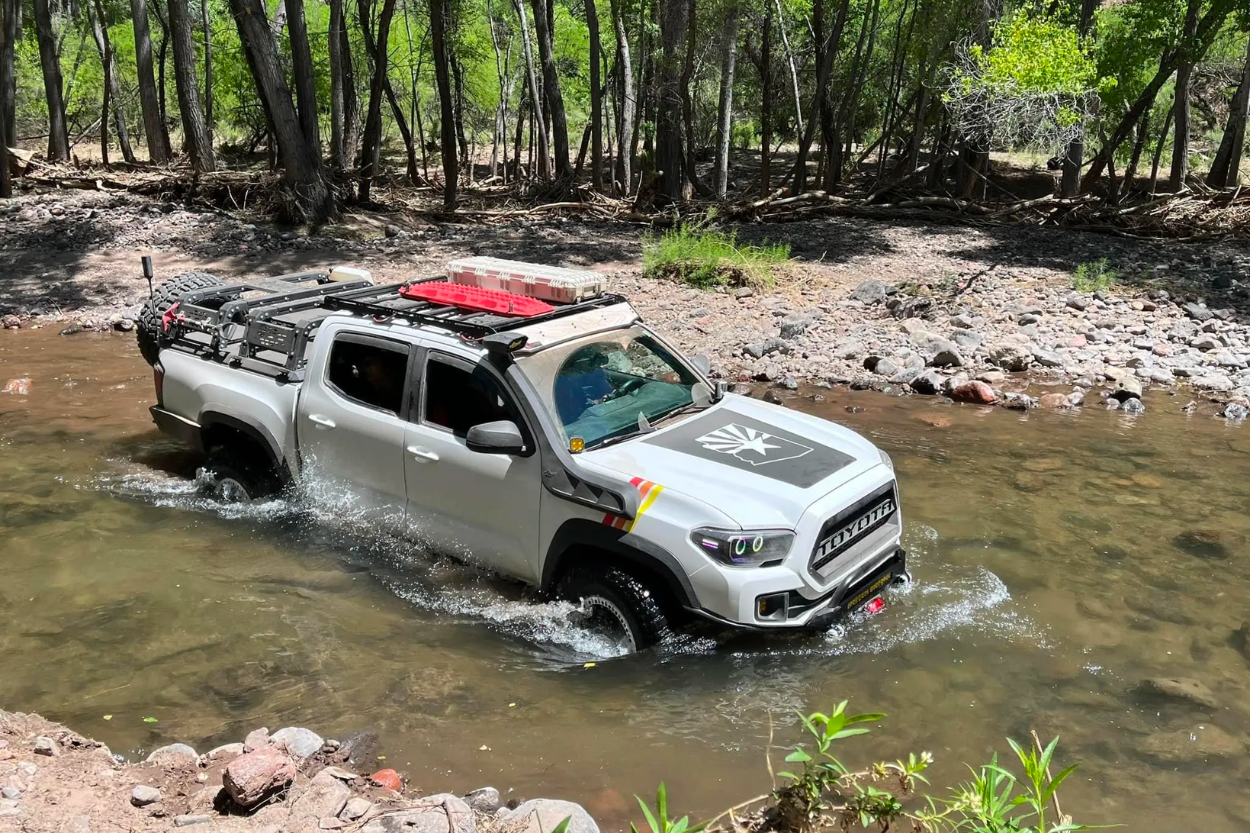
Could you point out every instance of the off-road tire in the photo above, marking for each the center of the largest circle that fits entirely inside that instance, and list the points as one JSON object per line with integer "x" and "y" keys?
{"x": 149, "y": 331}
{"x": 228, "y": 478}
{"x": 622, "y": 595}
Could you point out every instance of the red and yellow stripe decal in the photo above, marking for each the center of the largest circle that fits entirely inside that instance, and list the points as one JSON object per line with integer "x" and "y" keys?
{"x": 649, "y": 492}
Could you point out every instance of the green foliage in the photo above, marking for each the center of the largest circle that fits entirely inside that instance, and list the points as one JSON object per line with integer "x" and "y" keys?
{"x": 707, "y": 258}
{"x": 658, "y": 821}
{"x": 1094, "y": 276}
{"x": 1035, "y": 53}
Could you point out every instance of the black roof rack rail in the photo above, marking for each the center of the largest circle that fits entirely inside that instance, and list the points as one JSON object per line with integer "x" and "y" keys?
{"x": 272, "y": 331}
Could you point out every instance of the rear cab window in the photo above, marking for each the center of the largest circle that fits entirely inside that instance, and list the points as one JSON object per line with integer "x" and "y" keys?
{"x": 369, "y": 371}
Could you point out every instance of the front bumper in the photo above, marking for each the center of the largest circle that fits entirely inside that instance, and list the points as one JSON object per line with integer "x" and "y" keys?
{"x": 847, "y": 597}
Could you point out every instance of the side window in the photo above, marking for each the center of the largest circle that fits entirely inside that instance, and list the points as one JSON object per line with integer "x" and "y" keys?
{"x": 369, "y": 374}
{"x": 457, "y": 398}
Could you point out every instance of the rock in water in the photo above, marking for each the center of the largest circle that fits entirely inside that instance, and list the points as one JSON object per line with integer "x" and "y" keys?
{"x": 927, "y": 383}
{"x": 540, "y": 815}
{"x": 977, "y": 393}
{"x": 1127, "y": 388}
{"x": 1179, "y": 690}
{"x": 1235, "y": 411}
{"x": 303, "y": 743}
{"x": 387, "y": 778}
{"x": 250, "y": 778}
{"x": 143, "y": 795}
{"x": 1194, "y": 746}
{"x": 1133, "y": 405}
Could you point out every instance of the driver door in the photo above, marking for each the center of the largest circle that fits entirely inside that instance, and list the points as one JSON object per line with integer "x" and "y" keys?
{"x": 477, "y": 506}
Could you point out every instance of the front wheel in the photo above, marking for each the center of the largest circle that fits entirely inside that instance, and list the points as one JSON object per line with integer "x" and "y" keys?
{"x": 618, "y": 607}
{"x": 227, "y": 479}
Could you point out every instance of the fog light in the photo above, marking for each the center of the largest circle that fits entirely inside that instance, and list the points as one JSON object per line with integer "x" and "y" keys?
{"x": 774, "y": 607}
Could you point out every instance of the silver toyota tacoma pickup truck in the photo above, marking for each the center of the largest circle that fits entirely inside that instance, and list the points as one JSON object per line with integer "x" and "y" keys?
{"x": 542, "y": 431}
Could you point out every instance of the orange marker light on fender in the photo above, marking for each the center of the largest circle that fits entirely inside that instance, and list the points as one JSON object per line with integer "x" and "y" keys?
{"x": 576, "y": 445}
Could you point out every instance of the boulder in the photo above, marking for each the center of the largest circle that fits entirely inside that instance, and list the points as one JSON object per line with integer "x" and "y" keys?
{"x": 870, "y": 292}
{"x": 253, "y": 776}
{"x": 928, "y": 383}
{"x": 356, "y": 808}
{"x": 1133, "y": 405}
{"x": 1126, "y": 388}
{"x": 45, "y": 745}
{"x": 303, "y": 743}
{"x": 968, "y": 339}
{"x": 484, "y": 800}
{"x": 795, "y": 324}
{"x": 977, "y": 393}
{"x": 325, "y": 797}
{"x": 443, "y": 813}
{"x": 541, "y": 815}
{"x": 388, "y": 778}
{"x": 143, "y": 795}
{"x": 1177, "y": 690}
{"x": 174, "y": 754}
{"x": 1013, "y": 357}
{"x": 1235, "y": 411}
{"x": 227, "y": 750}
{"x": 1048, "y": 358}
{"x": 256, "y": 739}
{"x": 1198, "y": 312}
{"x": 1054, "y": 401}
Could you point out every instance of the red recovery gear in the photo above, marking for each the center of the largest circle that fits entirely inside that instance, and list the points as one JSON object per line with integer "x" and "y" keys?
{"x": 475, "y": 298}
{"x": 171, "y": 315}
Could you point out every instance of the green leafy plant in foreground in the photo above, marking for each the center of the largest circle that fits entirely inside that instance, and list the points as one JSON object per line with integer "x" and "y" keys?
{"x": 707, "y": 258}
{"x": 659, "y": 822}
{"x": 1094, "y": 276}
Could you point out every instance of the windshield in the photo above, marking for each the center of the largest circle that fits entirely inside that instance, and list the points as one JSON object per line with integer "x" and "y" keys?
{"x": 611, "y": 384}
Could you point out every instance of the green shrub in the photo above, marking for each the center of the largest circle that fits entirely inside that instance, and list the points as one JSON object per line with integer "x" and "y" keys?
{"x": 705, "y": 258}
{"x": 1094, "y": 276}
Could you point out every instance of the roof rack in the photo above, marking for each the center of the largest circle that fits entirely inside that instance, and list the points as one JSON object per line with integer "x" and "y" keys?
{"x": 271, "y": 332}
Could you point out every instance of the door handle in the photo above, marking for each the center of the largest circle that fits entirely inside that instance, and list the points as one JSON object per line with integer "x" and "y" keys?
{"x": 323, "y": 422}
{"x": 422, "y": 454}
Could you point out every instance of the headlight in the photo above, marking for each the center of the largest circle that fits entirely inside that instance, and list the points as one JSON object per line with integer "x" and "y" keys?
{"x": 744, "y": 548}
{"x": 885, "y": 458}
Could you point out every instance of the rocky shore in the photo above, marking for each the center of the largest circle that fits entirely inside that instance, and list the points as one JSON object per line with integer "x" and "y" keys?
{"x": 977, "y": 314}
{"x": 288, "y": 781}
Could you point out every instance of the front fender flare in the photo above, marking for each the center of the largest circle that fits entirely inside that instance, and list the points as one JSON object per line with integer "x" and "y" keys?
{"x": 631, "y": 549}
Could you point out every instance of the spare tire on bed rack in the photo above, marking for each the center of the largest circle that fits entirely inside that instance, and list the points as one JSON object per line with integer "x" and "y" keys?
{"x": 150, "y": 329}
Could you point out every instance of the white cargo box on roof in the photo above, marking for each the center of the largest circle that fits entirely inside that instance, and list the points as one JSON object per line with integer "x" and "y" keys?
{"x": 548, "y": 283}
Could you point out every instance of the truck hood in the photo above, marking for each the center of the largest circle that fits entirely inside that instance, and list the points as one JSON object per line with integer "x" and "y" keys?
{"x": 760, "y": 464}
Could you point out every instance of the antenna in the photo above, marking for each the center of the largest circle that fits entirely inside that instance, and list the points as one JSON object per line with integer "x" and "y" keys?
{"x": 147, "y": 271}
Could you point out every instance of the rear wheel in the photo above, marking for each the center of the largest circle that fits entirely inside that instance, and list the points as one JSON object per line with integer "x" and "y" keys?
{"x": 226, "y": 478}
{"x": 618, "y": 607}
{"x": 150, "y": 326}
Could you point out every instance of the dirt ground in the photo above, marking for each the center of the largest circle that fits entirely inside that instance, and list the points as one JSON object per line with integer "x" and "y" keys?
{"x": 73, "y": 256}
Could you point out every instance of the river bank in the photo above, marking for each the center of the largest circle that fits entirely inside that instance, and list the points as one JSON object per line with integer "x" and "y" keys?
{"x": 53, "y": 779}
{"x": 977, "y": 313}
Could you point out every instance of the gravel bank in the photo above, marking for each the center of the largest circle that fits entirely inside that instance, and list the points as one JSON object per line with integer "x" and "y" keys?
{"x": 293, "y": 781}
{"x": 900, "y": 307}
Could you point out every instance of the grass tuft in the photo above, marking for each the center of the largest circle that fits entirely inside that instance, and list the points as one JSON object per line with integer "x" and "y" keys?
{"x": 1094, "y": 276}
{"x": 705, "y": 258}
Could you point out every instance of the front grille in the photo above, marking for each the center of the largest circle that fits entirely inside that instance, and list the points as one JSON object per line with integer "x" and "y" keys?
{"x": 842, "y": 531}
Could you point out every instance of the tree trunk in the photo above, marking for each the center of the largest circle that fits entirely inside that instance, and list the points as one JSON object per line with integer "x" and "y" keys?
{"x": 339, "y": 156}
{"x": 397, "y": 112}
{"x": 628, "y": 98}
{"x": 50, "y": 61}
{"x": 302, "y": 71}
{"x": 438, "y": 41}
{"x": 1184, "y": 73}
{"x": 370, "y": 146}
{"x": 208, "y": 64}
{"x": 112, "y": 87}
{"x": 668, "y": 151}
{"x": 162, "y": 53}
{"x": 827, "y": 51}
{"x": 794, "y": 70}
{"x": 536, "y": 93}
{"x": 1070, "y": 183}
{"x": 551, "y": 87}
{"x": 724, "y": 131}
{"x": 1163, "y": 137}
{"x": 149, "y": 99}
{"x": 7, "y": 9}
{"x": 1225, "y": 169}
{"x": 310, "y": 195}
{"x": 596, "y": 97}
{"x": 457, "y": 80}
{"x": 198, "y": 138}
{"x": 1139, "y": 144}
{"x": 766, "y": 101}
{"x": 687, "y": 87}
{"x": 10, "y": 12}
{"x": 1207, "y": 30}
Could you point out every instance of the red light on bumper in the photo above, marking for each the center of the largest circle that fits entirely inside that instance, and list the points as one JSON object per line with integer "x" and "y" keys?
{"x": 875, "y": 606}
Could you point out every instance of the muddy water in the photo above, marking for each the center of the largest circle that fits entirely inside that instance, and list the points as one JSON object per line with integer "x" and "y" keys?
{"x": 1060, "y": 560}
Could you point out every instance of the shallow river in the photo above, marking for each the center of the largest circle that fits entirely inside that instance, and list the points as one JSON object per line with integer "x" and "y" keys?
{"x": 1059, "y": 561}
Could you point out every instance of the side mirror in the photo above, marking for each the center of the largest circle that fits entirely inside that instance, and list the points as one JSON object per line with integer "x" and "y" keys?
{"x": 502, "y": 437}
{"x": 702, "y": 363}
